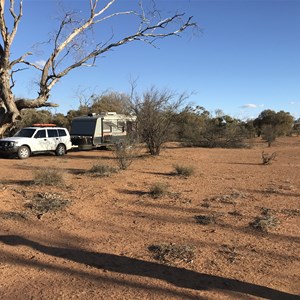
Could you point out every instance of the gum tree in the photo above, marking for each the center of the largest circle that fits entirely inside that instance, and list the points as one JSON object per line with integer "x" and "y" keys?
{"x": 70, "y": 39}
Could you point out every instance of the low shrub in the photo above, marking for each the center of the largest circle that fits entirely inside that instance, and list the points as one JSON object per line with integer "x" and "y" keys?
{"x": 172, "y": 253}
{"x": 268, "y": 158}
{"x": 185, "y": 171}
{"x": 158, "y": 189}
{"x": 265, "y": 221}
{"x": 205, "y": 220}
{"x": 102, "y": 170}
{"x": 124, "y": 154}
{"x": 46, "y": 202}
{"x": 51, "y": 177}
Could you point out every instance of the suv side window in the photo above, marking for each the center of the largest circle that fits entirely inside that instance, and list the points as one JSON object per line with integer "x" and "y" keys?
{"x": 62, "y": 132}
{"x": 52, "y": 133}
{"x": 40, "y": 134}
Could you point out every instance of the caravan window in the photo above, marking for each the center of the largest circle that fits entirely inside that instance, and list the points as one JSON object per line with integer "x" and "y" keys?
{"x": 107, "y": 126}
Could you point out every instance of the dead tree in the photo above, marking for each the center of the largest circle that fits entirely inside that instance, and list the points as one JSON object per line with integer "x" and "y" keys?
{"x": 67, "y": 41}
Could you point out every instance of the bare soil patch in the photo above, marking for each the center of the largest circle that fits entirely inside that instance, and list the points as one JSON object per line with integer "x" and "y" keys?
{"x": 106, "y": 237}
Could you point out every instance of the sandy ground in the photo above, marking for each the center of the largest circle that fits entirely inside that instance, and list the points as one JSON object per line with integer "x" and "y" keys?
{"x": 97, "y": 248}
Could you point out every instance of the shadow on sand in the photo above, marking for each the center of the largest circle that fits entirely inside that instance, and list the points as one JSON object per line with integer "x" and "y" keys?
{"x": 179, "y": 277}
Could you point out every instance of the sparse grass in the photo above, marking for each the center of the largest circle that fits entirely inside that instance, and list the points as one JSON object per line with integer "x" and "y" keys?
{"x": 102, "y": 170}
{"x": 170, "y": 253}
{"x": 265, "y": 221}
{"x": 205, "y": 220}
{"x": 158, "y": 189}
{"x": 6, "y": 215}
{"x": 229, "y": 198}
{"x": 51, "y": 177}
{"x": 46, "y": 202}
{"x": 185, "y": 171}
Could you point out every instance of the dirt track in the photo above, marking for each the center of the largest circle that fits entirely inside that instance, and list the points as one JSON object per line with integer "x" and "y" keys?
{"x": 97, "y": 248}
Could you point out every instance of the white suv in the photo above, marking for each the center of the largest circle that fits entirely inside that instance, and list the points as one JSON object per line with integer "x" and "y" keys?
{"x": 37, "y": 138}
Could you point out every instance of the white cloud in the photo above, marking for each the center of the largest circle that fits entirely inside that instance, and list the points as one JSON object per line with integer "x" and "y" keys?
{"x": 40, "y": 63}
{"x": 250, "y": 105}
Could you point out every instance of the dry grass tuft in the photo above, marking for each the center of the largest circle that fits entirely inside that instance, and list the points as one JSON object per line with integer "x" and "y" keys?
{"x": 102, "y": 170}
{"x": 205, "y": 220}
{"x": 265, "y": 221}
{"x": 158, "y": 190}
{"x": 6, "y": 215}
{"x": 51, "y": 177}
{"x": 169, "y": 253}
{"x": 185, "y": 171}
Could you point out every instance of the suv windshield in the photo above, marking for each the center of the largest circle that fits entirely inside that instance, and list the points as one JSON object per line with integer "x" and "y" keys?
{"x": 25, "y": 132}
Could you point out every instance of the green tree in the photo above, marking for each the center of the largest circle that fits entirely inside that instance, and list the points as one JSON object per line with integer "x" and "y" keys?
{"x": 190, "y": 123}
{"x": 197, "y": 127}
{"x": 112, "y": 101}
{"x": 61, "y": 120}
{"x": 271, "y": 124}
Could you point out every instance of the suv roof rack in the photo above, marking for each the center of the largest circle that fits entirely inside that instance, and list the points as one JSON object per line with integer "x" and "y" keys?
{"x": 44, "y": 125}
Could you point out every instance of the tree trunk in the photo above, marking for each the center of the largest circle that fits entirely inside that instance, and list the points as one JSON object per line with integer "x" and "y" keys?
{"x": 9, "y": 112}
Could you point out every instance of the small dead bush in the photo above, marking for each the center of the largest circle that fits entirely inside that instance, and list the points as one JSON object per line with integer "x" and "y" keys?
{"x": 102, "y": 170}
{"x": 268, "y": 158}
{"x": 51, "y": 177}
{"x": 124, "y": 154}
{"x": 229, "y": 252}
{"x": 158, "y": 189}
{"x": 205, "y": 220}
{"x": 265, "y": 221}
{"x": 169, "y": 253}
{"x": 46, "y": 202}
{"x": 185, "y": 171}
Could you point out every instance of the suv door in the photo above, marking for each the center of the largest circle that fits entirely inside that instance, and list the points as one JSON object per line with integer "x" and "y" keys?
{"x": 53, "y": 139}
{"x": 64, "y": 138}
{"x": 39, "y": 141}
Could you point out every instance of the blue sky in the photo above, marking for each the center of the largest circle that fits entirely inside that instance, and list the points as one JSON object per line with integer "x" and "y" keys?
{"x": 245, "y": 59}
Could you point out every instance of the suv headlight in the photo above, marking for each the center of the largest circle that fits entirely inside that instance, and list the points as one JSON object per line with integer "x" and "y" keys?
{"x": 9, "y": 144}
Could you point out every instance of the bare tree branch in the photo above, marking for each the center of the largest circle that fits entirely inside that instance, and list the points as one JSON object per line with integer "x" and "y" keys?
{"x": 20, "y": 59}
{"x": 12, "y": 74}
{"x": 36, "y": 103}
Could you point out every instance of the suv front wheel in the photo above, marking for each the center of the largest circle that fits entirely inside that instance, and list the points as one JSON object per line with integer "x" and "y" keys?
{"x": 23, "y": 152}
{"x": 60, "y": 150}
